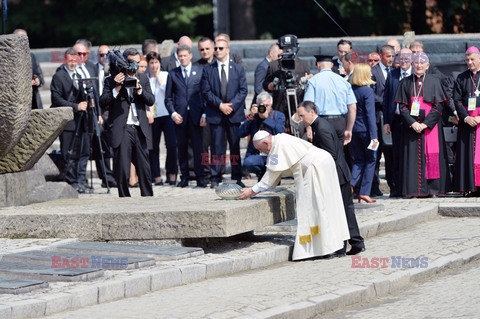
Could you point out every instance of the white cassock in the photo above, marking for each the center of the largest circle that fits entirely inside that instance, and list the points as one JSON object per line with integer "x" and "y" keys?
{"x": 322, "y": 225}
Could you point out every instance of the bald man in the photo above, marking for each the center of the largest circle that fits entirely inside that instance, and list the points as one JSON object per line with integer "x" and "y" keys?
{"x": 171, "y": 62}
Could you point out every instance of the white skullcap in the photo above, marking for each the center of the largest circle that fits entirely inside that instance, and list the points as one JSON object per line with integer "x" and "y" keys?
{"x": 260, "y": 135}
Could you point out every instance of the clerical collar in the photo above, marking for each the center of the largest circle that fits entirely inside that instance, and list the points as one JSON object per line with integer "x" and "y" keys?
{"x": 419, "y": 77}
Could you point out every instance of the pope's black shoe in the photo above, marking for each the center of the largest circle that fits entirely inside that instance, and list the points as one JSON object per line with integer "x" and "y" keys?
{"x": 239, "y": 183}
{"x": 355, "y": 250}
{"x": 213, "y": 184}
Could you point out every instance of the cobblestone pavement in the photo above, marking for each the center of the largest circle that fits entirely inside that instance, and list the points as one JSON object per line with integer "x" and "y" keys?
{"x": 454, "y": 294}
{"x": 255, "y": 292}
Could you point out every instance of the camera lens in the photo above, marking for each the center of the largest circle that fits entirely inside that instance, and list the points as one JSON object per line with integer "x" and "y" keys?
{"x": 262, "y": 108}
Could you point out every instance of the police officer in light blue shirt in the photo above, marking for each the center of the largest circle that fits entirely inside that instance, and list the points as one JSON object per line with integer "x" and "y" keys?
{"x": 334, "y": 98}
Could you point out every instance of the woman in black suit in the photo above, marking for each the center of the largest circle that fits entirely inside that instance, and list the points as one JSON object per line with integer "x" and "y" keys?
{"x": 364, "y": 133}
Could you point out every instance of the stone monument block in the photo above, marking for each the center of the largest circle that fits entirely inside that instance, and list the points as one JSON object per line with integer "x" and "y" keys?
{"x": 15, "y": 89}
{"x": 42, "y": 130}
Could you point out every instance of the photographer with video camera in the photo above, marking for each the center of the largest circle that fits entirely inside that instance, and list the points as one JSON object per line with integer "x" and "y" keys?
{"x": 127, "y": 95}
{"x": 286, "y": 77}
{"x": 75, "y": 151}
{"x": 261, "y": 117}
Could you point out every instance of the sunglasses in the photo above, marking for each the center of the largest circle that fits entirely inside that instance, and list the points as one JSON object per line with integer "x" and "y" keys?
{"x": 103, "y": 55}
{"x": 373, "y": 60}
{"x": 219, "y": 48}
{"x": 82, "y": 53}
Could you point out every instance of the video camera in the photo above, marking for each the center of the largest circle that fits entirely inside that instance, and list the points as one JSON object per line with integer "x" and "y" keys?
{"x": 289, "y": 44}
{"x": 118, "y": 63}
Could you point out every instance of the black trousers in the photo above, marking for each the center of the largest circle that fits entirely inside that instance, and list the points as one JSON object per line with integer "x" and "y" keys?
{"x": 75, "y": 165}
{"x": 132, "y": 149}
{"x": 355, "y": 239}
{"x": 107, "y": 155}
{"x": 194, "y": 133}
{"x": 218, "y": 139}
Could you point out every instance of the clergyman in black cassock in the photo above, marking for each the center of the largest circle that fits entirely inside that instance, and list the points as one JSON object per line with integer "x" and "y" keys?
{"x": 423, "y": 159}
{"x": 466, "y": 175}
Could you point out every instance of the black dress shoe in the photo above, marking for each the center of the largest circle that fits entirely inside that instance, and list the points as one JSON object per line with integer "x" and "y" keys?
{"x": 355, "y": 250}
{"x": 183, "y": 183}
{"x": 334, "y": 255}
{"x": 158, "y": 183}
{"x": 172, "y": 183}
{"x": 239, "y": 183}
{"x": 201, "y": 183}
{"x": 213, "y": 184}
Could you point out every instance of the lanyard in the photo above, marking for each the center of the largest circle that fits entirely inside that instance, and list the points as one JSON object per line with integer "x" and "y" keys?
{"x": 419, "y": 89}
{"x": 474, "y": 86}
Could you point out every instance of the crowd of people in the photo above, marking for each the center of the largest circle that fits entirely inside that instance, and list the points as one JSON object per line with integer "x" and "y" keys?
{"x": 392, "y": 102}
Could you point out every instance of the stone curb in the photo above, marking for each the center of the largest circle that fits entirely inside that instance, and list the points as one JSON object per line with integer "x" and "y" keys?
{"x": 459, "y": 209}
{"x": 368, "y": 291}
{"x": 145, "y": 281}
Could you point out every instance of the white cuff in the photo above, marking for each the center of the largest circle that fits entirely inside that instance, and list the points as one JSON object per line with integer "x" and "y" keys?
{"x": 115, "y": 93}
{"x": 260, "y": 187}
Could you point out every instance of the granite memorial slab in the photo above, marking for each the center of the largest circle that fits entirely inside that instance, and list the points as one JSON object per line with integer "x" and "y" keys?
{"x": 157, "y": 252}
{"x": 22, "y": 270}
{"x": 93, "y": 259}
{"x": 20, "y": 286}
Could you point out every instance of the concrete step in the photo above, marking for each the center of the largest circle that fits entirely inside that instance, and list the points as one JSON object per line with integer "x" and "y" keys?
{"x": 227, "y": 257}
{"x": 393, "y": 261}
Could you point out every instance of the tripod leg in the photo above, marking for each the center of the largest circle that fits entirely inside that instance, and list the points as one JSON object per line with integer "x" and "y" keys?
{"x": 68, "y": 159}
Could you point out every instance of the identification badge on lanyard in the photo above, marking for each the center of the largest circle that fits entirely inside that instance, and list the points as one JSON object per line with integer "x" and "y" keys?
{"x": 415, "y": 111}
{"x": 472, "y": 103}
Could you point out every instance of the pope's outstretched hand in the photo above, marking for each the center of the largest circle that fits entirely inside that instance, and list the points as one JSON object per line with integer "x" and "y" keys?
{"x": 246, "y": 193}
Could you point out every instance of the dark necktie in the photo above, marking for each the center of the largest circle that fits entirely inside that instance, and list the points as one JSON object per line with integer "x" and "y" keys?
{"x": 224, "y": 84}
{"x": 404, "y": 74}
{"x": 75, "y": 83}
{"x": 186, "y": 75}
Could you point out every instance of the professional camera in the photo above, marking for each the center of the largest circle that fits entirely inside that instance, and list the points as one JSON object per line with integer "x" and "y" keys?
{"x": 262, "y": 108}
{"x": 118, "y": 63}
{"x": 289, "y": 44}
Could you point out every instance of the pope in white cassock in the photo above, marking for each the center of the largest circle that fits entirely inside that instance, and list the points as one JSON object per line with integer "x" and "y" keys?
{"x": 322, "y": 225}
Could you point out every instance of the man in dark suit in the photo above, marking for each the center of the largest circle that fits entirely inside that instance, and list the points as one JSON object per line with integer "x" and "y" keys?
{"x": 171, "y": 62}
{"x": 379, "y": 75}
{"x": 343, "y": 47}
{"x": 75, "y": 151}
{"x": 184, "y": 102}
{"x": 325, "y": 137}
{"x": 262, "y": 68}
{"x": 224, "y": 88}
{"x": 128, "y": 124}
{"x": 392, "y": 121}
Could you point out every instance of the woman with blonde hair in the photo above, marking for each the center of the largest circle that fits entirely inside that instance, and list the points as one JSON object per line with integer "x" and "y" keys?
{"x": 364, "y": 133}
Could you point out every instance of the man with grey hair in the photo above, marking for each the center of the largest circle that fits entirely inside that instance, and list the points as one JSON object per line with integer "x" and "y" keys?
{"x": 261, "y": 117}
{"x": 322, "y": 225}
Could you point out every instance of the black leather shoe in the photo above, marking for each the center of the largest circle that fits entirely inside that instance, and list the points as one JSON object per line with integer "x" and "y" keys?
{"x": 172, "y": 183}
{"x": 183, "y": 183}
{"x": 239, "y": 183}
{"x": 201, "y": 183}
{"x": 334, "y": 255}
{"x": 355, "y": 250}
{"x": 213, "y": 184}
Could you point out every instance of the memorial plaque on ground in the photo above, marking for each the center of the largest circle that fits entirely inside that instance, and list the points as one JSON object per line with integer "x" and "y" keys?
{"x": 157, "y": 252}
{"x": 85, "y": 260}
{"x": 47, "y": 272}
{"x": 20, "y": 286}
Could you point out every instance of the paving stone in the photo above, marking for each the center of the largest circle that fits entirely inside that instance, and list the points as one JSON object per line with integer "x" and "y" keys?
{"x": 20, "y": 286}
{"x": 137, "y": 285}
{"x": 47, "y": 273}
{"x": 85, "y": 296}
{"x": 193, "y": 273}
{"x": 93, "y": 260}
{"x": 166, "y": 278}
{"x": 28, "y": 308}
{"x": 459, "y": 210}
{"x": 218, "y": 267}
{"x": 5, "y": 312}
{"x": 108, "y": 291}
{"x": 158, "y": 252}
{"x": 57, "y": 302}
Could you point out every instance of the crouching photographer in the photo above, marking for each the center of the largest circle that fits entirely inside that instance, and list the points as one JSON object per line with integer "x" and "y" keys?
{"x": 261, "y": 117}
